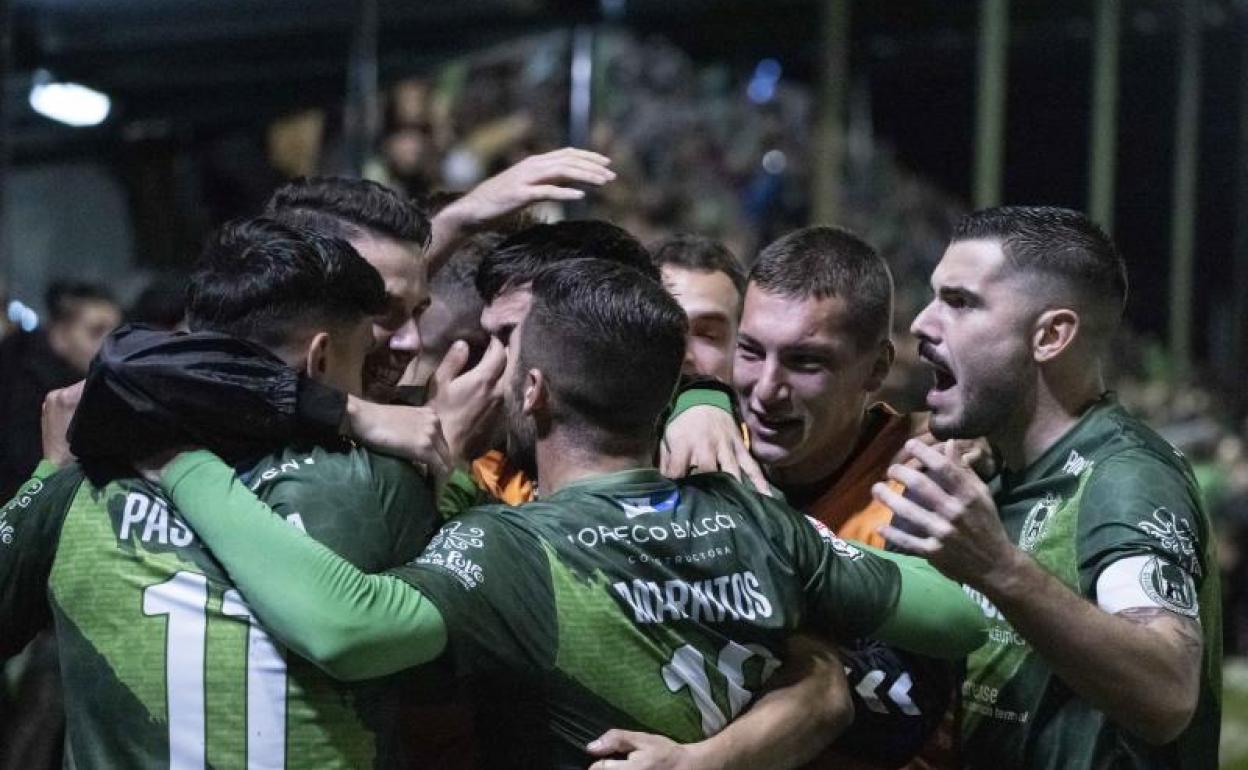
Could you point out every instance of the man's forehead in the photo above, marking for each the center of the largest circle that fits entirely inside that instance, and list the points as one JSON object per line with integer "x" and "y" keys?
{"x": 970, "y": 265}
{"x": 701, "y": 292}
{"x": 781, "y": 320}
{"x": 508, "y": 308}
{"x": 398, "y": 262}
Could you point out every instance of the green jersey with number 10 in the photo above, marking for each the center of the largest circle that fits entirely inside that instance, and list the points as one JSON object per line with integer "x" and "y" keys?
{"x": 629, "y": 601}
{"x": 163, "y": 662}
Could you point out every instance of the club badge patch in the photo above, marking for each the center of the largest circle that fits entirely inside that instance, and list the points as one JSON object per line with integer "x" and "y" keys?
{"x": 1170, "y": 586}
{"x": 1037, "y": 521}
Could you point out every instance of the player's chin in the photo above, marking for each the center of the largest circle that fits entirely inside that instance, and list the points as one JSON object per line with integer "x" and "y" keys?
{"x": 769, "y": 453}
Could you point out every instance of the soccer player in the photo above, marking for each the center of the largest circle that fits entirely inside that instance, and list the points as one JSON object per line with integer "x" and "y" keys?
{"x": 620, "y": 598}
{"x": 1091, "y": 555}
{"x": 701, "y": 432}
{"x": 165, "y": 664}
{"x": 708, "y": 282}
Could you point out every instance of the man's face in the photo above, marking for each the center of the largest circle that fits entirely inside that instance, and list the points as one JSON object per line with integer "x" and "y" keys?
{"x": 79, "y": 337}
{"x": 404, "y": 269}
{"x": 347, "y": 349}
{"x": 801, "y": 381}
{"x": 521, "y": 431}
{"x": 974, "y": 335}
{"x": 711, "y": 302}
{"x": 444, "y": 322}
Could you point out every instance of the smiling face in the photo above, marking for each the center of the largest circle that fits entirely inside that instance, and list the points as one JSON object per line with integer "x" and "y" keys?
{"x": 711, "y": 302}
{"x": 803, "y": 380}
{"x": 975, "y": 337}
{"x": 404, "y": 270}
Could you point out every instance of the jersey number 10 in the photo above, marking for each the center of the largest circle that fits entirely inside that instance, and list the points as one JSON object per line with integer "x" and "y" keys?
{"x": 184, "y": 599}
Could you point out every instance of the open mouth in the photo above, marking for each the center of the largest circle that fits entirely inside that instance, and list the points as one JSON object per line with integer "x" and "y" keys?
{"x": 768, "y": 425}
{"x": 942, "y": 375}
{"x": 385, "y": 370}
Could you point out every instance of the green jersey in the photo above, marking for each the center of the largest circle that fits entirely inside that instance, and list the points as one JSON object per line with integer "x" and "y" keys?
{"x": 1108, "y": 491}
{"x": 630, "y": 601}
{"x": 164, "y": 663}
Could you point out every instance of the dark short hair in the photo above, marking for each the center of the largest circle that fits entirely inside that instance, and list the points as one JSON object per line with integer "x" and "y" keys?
{"x": 520, "y": 257}
{"x": 1061, "y": 243}
{"x": 821, "y": 261}
{"x": 263, "y": 281}
{"x": 610, "y": 341}
{"x": 340, "y": 207}
{"x": 64, "y": 298}
{"x": 457, "y": 279}
{"x": 695, "y": 252}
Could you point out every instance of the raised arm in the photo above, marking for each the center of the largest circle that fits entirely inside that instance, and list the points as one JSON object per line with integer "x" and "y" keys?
{"x": 350, "y": 624}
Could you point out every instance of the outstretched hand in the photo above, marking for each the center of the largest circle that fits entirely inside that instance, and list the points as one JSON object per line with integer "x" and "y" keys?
{"x": 551, "y": 176}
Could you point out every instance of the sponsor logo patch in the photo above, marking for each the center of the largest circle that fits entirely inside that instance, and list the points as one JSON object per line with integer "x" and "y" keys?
{"x": 839, "y": 546}
{"x": 446, "y": 550}
{"x": 639, "y": 506}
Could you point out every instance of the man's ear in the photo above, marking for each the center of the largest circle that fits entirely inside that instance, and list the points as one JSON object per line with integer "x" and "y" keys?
{"x": 536, "y": 394}
{"x": 882, "y": 364}
{"x": 317, "y": 356}
{"x": 1054, "y": 331}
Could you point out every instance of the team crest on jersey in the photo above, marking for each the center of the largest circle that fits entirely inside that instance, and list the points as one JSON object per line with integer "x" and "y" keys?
{"x": 1170, "y": 586}
{"x": 1037, "y": 521}
{"x": 839, "y": 546}
{"x": 638, "y": 506}
{"x": 1175, "y": 535}
{"x": 6, "y": 529}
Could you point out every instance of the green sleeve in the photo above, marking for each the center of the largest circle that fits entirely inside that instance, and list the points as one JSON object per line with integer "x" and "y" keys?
{"x": 351, "y": 624}
{"x": 700, "y": 396}
{"x": 859, "y": 591}
{"x": 460, "y": 493}
{"x": 933, "y": 615}
{"x": 30, "y": 526}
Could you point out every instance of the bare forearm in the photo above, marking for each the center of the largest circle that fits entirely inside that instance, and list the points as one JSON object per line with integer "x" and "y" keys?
{"x": 1140, "y": 667}
{"x": 793, "y": 722}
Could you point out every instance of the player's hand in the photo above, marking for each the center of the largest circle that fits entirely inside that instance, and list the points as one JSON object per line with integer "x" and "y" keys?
{"x": 976, "y": 452}
{"x": 642, "y": 751}
{"x": 704, "y": 439}
{"x": 468, "y": 403}
{"x": 411, "y": 432}
{"x": 551, "y": 176}
{"x": 546, "y": 177}
{"x": 58, "y": 409}
{"x": 948, "y": 516}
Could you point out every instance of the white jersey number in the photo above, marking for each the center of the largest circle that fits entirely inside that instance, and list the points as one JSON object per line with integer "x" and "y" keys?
{"x": 184, "y": 599}
{"x": 688, "y": 668}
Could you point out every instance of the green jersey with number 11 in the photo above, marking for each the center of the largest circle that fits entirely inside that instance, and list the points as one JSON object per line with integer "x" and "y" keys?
{"x": 163, "y": 662}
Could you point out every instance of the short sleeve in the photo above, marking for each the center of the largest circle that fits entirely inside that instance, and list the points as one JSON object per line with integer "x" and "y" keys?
{"x": 1136, "y": 503}
{"x": 849, "y": 591}
{"x": 491, "y": 582}
{"x": 30, "y": 525}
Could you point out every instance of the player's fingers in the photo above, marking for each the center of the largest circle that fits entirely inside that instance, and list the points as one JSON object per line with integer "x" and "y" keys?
{"x": 578, "y": 152}
{"x": 928, "y": 523}
{"x": 728, "y": 461}
{"x": 705, "y": 459}
{"x": 493, "y": 362}
{"x": 922, "y": 490}
{"x": 678, "y": 461}
{"x": 936, "y": 460}
{"x": 613, "y": 742}
{"x": 452, "y": 365}
{"x": 565, "y": 173}
{"x": 548, "y": 192}
{"x": 589, "y": 165}
{"x": 907, "y": 542}
{"x": 753, "y": 471}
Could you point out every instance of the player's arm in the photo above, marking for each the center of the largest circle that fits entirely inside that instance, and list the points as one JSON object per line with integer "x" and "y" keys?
{"x": 806, "y": 708}
{"x": 351, "y": 624}
{"x": 1134, "y": 657}
{"x": 30, "y": 525}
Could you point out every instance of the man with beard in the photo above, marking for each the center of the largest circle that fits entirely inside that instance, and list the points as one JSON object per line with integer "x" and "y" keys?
{"x": 619, "y": 598}
{"x": 1091, "y": 554}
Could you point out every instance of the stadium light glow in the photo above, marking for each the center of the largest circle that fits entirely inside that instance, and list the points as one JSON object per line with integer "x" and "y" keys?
{"x": 70, "y": 103}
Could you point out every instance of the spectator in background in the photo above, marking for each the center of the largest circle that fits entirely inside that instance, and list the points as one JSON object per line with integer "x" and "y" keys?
{"x": 33, "y": 363}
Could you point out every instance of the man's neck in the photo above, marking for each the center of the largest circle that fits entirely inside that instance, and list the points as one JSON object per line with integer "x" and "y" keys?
{"x": 1051, "y": 417}
{"x": 561, "y": 462}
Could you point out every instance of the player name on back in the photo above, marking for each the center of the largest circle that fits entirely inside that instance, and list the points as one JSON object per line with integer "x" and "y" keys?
{"x": 148, "y": 519}
{"x": 738, "y": 596}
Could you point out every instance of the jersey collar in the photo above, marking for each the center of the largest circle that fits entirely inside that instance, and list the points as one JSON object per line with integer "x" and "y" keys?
{"x": 633, "y": 481}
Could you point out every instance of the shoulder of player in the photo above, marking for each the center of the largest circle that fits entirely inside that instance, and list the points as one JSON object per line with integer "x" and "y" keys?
{"x": 320, "y": 465}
